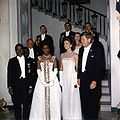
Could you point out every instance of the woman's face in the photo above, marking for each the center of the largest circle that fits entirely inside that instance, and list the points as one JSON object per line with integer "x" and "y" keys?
{"x": 77, "y": 39}
{"x": 67, "y": 45}
{"x": 46, "y": 49}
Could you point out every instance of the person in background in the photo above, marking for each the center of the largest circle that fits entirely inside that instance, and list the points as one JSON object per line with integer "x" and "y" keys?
{"x": 33, "y": 66}
{"x": 88, "y": 28}
{"x": 29, "y": 44}
{"x": 71, "y": 105}
{"x": 37, "y": 46}
{"x": 46, "y": 38}
{"x": 90, "y": 66}
{"x": 46, "y": 103}
{"x": 68, "y": 32}
{"x": 78, "y": 43}
{"x": 19, "y": 83}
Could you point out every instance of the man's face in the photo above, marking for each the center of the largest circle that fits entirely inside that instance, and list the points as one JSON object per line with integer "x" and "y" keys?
{"x": 67, "y": 27}
{"x": 42, "y": 30}
{"x": 85, "y": 41}
{"x": 19, "y": 51}
{"x": 26, "y": 52}
{"x": 29, "y": 43}
{"x": 88, "y": 27}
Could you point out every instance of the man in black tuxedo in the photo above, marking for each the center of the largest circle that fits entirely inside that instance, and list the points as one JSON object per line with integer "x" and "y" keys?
{"x": 33, "y": 65}
{"x": 68, "y": 32}
{"x": 89, "y": 28}
{"x": 90, "y": 66}
{"x": 44, "y": 37}
{"x": 19, "y": 83}
{"x": 33, "y": 53}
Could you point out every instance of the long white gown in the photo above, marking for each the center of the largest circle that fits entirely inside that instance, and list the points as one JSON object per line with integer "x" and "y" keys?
{"x": 71, "y": 105}
{"x": 46, "y": 103}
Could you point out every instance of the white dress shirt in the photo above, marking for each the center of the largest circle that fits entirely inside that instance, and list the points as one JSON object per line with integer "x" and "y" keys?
{"x": 31, "y": 53}
{"x": 67, "y": 33}
{"x": 42, "y": 37}
{"x": 85, "y": 55}
{"x": 22, "y": 65}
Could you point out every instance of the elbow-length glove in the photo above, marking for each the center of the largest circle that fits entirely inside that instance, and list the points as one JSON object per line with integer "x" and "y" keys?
{"x": 61, "y": 78}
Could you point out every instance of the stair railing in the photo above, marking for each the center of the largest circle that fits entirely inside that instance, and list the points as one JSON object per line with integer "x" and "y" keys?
{"x": 78, "y": 15}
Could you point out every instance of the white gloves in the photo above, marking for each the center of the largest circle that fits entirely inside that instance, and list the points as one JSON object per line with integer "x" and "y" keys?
{"x": 61, "y": 77}
{"x": 41, "y": 76}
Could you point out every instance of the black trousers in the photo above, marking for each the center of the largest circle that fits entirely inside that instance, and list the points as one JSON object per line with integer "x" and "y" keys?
{"x": 20, "y": 99}
{"x": 89, "y": 99}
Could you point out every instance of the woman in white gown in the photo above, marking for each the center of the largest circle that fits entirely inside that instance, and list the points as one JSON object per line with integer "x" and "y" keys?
{"x": 71, "y": 105}
{"x": 46, "y": 100}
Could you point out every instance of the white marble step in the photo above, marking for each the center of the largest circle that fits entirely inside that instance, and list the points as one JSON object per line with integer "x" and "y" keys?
{"x": 104, "y": 82}
{"x": 105, "y": 108}
{"x": 105, "y": 98}
{"x": 105, "y": 90}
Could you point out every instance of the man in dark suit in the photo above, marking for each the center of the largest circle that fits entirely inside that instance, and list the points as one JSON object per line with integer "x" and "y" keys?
{"x": 33, "y": 66}
{"x": 89, "y": 28}
{"x": 44, "y": 37}
{"x": 68, "y": 32}
{"x": 19, "y": 83}
{"x": 90, "y": 66}
{"x": 33, "y": 53}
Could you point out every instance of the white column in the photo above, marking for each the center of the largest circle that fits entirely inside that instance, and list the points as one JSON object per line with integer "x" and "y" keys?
{"x": 8, "y": 39}
{"x": 115, "y": 62}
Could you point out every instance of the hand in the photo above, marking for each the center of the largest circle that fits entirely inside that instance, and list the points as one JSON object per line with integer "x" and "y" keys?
{"x": 93, "y": 85}
{"x": 10, "y": 91}
{"x": 30, "y": 90}
{"x": 78, "y": 82}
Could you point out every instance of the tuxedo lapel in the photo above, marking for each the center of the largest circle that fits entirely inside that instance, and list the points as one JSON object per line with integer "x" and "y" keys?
{"x": 17, "y": 65}
{"x": 80, "y": 56}
{"x": 90, "y": 55}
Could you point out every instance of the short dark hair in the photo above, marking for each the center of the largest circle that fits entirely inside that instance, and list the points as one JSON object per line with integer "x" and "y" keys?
{"x": 44, "y": 27}
{"x": 18, "y": 45}
{"x": 88, "y": 35}
{"x": 69, "y": 24}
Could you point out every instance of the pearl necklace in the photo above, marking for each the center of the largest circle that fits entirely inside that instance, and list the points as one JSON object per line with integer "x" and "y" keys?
{"x": 46, "y": 56}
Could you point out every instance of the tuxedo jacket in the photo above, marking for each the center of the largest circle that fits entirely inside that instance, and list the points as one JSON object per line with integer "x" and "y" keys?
{"x": 94, "y": 64}
{"x": 14, "y": 73}
{"x": 49, "y": 40}
{"x": 61, "y": 44}
{"x": 33, "y": 66}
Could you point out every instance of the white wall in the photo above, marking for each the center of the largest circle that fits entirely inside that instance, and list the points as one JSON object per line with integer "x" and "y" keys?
{"x": 8, "y": 38}
{"x": 115, "y": 62}
{"x": 98, "y": 5}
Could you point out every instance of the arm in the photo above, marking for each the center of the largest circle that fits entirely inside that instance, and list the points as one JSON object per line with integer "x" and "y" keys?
{"x": 76, "y": 62}
{"x": 77, "y": 82}
{"x": 61, "y": 71}
{"x": 9, "y": 77}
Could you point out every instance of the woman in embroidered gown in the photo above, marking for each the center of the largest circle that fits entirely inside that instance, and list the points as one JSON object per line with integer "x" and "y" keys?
{"x": 47, "y": 94}
{"x": 71, "y": 105}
